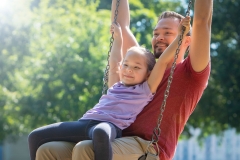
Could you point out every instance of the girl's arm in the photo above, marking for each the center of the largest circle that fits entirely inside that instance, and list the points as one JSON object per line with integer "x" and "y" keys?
{"x": 123, "y": 18}
{"x": 166, "y": 57}
{"x": 115, "y": 55}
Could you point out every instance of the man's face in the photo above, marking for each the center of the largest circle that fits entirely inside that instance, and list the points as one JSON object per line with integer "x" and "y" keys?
{"x": 164, "y": 33}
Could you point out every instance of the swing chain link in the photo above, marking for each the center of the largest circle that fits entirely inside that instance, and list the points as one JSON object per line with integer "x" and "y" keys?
{"x": 189, "y": 8}
{"x": 157, "y": 129}
{"x": 106, "y": 72}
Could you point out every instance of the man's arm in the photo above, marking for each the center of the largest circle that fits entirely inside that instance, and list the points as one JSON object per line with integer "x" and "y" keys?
{"x": 201, "y": 34}
{"x": 123, "y": 18}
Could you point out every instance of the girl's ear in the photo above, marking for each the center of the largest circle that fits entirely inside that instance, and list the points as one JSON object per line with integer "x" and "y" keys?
{"x": 148, "y": 74}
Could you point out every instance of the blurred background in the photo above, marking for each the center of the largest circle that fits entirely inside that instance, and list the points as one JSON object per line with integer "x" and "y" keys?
{"x": 53, "y": 54}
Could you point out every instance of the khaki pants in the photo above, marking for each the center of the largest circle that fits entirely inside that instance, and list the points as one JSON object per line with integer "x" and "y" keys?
{"x": 125, "y": 148}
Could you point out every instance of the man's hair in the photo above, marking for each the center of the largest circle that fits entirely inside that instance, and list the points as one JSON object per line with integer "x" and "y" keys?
{"x": 172, "y": 14}
{"x": 149, "y": 56}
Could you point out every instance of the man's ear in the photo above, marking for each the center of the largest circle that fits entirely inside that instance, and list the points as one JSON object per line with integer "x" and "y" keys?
{"x": 187, "y": 41}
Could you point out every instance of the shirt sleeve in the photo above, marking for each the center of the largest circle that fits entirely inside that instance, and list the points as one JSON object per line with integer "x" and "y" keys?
{"x": 145, "y": 87}
{"x": 200, "y": 78}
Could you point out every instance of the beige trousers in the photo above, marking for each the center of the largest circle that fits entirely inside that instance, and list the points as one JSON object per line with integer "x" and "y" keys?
{"x": 125, "y": 148}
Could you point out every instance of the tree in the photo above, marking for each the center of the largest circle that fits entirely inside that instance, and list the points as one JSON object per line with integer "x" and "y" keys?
{"x": 14, "y": 40}
{"x": 52, "y": 63}
{"x": 61, "y": 76}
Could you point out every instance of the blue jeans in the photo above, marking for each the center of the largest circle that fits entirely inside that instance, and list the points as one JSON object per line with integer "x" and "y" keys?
{"x": 102, "y": 133}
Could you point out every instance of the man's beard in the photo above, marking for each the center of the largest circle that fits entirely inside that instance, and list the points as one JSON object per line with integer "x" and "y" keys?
{"x": 158, "y": 51}
{"x": 157, "y": 54}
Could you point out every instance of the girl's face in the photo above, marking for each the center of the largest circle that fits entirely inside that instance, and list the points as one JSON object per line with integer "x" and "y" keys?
{"x": 133, "y": 69}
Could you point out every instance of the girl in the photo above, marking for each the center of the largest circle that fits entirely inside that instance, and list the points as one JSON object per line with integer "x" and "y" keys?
{"x": 132, "y": 84}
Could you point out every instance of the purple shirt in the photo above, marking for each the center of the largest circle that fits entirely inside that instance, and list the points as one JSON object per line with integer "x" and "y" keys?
{"x": 121, "y": 104}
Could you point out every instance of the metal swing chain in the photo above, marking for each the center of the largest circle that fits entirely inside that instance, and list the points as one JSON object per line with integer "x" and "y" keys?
{"x": 157, "y": 130}
{"x": 106, "y": 72}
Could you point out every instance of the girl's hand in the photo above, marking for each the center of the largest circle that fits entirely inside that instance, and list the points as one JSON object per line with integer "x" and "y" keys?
{"x": 116, "y": 29}
{"x": 184, "y": 23}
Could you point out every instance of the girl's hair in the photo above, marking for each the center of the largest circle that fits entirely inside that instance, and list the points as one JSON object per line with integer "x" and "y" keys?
{"x": 149, "y": 56}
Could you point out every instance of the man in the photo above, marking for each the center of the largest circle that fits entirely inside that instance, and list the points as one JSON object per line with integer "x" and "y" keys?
{"x": 190, "y": 80}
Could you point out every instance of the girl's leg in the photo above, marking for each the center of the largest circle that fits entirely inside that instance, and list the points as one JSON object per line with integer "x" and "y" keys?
{"x": 64, "y": 131}
{"x": 102, "y": 135}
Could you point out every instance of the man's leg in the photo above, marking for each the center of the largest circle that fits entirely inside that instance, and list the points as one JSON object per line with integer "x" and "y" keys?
{"x": 83, "y": 151}
{"x": 57, "y": 150}
{"x": 125, "y": 148}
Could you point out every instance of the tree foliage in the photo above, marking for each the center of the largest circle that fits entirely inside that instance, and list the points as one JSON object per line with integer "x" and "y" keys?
{"x": 55, "y": 73}
{"x": 219, "y": 108}
{"x": 13, "y": 49}
{"x": 53, "y": 54}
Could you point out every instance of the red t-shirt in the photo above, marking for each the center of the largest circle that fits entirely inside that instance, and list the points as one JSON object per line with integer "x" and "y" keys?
{"x": 185, "y": 92}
